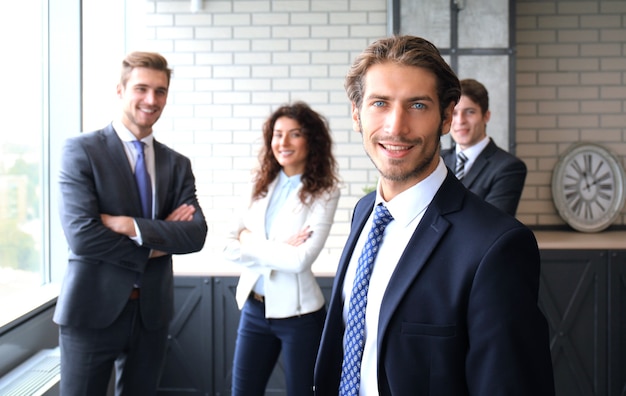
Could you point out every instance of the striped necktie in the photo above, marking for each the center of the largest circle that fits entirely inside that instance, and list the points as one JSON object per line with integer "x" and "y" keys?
{"x": 461, "y": 159}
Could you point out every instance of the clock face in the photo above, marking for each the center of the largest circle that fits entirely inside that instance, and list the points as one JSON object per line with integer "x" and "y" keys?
{"x": 588, "y": 187}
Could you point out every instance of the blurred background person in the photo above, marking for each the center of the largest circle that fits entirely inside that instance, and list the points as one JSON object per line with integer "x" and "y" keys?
{"x": 127, "y": 204}
{"x": 276, "y": 239}
{"x": 488, "y": 171}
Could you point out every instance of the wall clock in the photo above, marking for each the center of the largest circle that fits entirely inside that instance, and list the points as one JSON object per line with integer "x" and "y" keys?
{"x": 588, "y": 187}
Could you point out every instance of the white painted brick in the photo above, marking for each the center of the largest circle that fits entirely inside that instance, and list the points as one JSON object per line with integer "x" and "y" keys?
{"x": 231, "y": 45}
{"x": 231, "y": 71}
{"x": 290, "y": 5}
{"x": 204, "y": 32}
{"x": 309, "y": 71}
{"x": 309, "y": 44}
{"x": 253, "y": 84}
{"x": 283, "y": 84}
{"x": 252, "y": 6}
{"x": 232, "y": 20}
{"x": 291, "y": 58}
{"x": 214, "y": 58}
{"x": 213, "y": 84}
{"x": 329, "y": 31}
{"x": 251, "y": 32}
{"x": 174, "y": 33}
{"x": 290, "y": 31}
{"x": 269, "y": 71}
{"x": 196, "y": 46}
{"x": 231, "y": 97}
{"x": 270, "y": 45}
{"x": 217, "y": 6}
{"x": 330, "y": 5}
{"x": 214, "y": 110}
{"x": 193, "y": 19}
{"x": 274, "y": 18}
{"x": 309, "y": 18}
{"x": 271, "y": 97}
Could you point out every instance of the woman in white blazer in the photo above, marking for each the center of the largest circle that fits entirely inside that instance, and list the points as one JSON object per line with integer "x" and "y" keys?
{"x": 276, "y": 239}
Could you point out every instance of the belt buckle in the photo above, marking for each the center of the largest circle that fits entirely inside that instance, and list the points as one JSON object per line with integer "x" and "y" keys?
{"x": 134, "y": 294}
{"x": 258, "y": 297}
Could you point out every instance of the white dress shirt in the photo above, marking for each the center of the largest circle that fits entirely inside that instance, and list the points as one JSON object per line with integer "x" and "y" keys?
{"x": 472, "y": 152}
{"x": 127, "y": 138}
{"x": 407, "y": 209}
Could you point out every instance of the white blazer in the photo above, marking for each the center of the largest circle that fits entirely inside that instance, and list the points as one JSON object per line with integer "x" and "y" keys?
{"x": 290, "y": 286}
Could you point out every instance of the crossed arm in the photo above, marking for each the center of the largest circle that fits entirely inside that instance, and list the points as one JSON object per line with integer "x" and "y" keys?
{"x": 125, "y": 225}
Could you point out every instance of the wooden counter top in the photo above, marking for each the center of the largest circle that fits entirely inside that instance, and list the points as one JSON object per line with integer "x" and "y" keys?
{"x": 572, "y": 240}
{"x": 205, "y": 264}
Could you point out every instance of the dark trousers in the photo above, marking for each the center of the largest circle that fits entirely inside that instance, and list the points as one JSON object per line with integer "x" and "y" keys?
{"x": 259, "y": 343}
{"x": 88, "y": 356}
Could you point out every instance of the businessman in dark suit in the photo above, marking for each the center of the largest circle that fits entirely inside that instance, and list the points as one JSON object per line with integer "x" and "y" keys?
{"x": 116, "y": 300}
{"x": 451, "y": 301}
{"x": 490, "y": 172}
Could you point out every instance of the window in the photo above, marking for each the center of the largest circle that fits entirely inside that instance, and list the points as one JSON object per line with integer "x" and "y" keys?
{"x": 21, "y": 161}
{"x": 40, "y": 108}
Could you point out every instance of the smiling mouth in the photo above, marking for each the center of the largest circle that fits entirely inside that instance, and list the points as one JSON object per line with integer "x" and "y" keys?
{"x": 393, "y": 147}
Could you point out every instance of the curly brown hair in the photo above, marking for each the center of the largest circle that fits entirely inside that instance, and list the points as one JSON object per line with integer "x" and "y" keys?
{"x": 320, "y": 173}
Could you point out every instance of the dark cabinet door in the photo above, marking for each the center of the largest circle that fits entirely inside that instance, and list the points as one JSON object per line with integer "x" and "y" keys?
{"x": 189, "y": 363}
{"x": 573, "y": 296}
{"x": 617, "y": 324}
{"x": 202, "y": 338}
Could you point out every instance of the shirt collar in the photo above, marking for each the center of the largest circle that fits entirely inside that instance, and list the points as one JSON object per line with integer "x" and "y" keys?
{"x": 127, "y": 136}
{"x": 407, "y": 205}
{"x": 473, "y": 152}
{"x": 284, "y": 179}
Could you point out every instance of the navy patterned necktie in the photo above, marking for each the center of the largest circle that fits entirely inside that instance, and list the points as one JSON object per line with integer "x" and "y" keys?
{"x": 354, "y": 339}
{"x": 143, "y": 180}
{"x": 461, "y": 159}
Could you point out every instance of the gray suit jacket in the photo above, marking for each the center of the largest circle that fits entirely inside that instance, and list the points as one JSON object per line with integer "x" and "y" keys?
{"x": 96, "y": 178}
{"x": 496, "y": 176}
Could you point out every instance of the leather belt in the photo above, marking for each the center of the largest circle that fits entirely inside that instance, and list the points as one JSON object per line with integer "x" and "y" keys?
{"x": 134, "y": 294}
{"x": 260, "y": 298}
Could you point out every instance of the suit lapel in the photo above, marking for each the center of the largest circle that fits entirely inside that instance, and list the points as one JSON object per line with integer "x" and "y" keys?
{"x": 481, "y": 162}
{"x": 162, "y": 168}
{"x": 424, "y": 241}
{"x": 115, "y": 149}
{"x": 361, "y": 214}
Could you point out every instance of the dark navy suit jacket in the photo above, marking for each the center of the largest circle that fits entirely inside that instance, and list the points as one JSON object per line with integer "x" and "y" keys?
{"x": 460, "y": 314}
{"x": 96, "y": 178}
{"x": 496, "y": 176}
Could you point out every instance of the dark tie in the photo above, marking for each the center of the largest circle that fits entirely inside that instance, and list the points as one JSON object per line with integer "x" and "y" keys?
{"x": 461, "y": 159}
{"x": 143, "y": 180}
{"x": 354, "y": 339}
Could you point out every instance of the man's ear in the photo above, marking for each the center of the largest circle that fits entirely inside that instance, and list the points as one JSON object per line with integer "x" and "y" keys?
{"x": 446, "y": 123}
{"x": 356, "y": 119}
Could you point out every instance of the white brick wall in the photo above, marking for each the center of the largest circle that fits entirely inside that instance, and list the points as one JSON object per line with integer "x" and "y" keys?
{"x": 234, "y": 62}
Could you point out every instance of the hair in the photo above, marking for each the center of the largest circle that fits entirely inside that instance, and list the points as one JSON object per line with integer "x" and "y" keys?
{"x": 320, "y": 173}
{"x": 406, "y": 51}
{"x": 150, "y": 60}
{"x": 476, "y": 92}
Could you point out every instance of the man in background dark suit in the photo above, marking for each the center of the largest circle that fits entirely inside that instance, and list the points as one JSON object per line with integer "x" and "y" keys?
{"x": 490, "y": 172}
{"x": 451, "y": 307}
{"x": 116, "y": 300}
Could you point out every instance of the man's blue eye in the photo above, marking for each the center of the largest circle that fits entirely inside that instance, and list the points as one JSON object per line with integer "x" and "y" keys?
{"x": 418, "y": 105}
{"x": 378, "y": 103}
